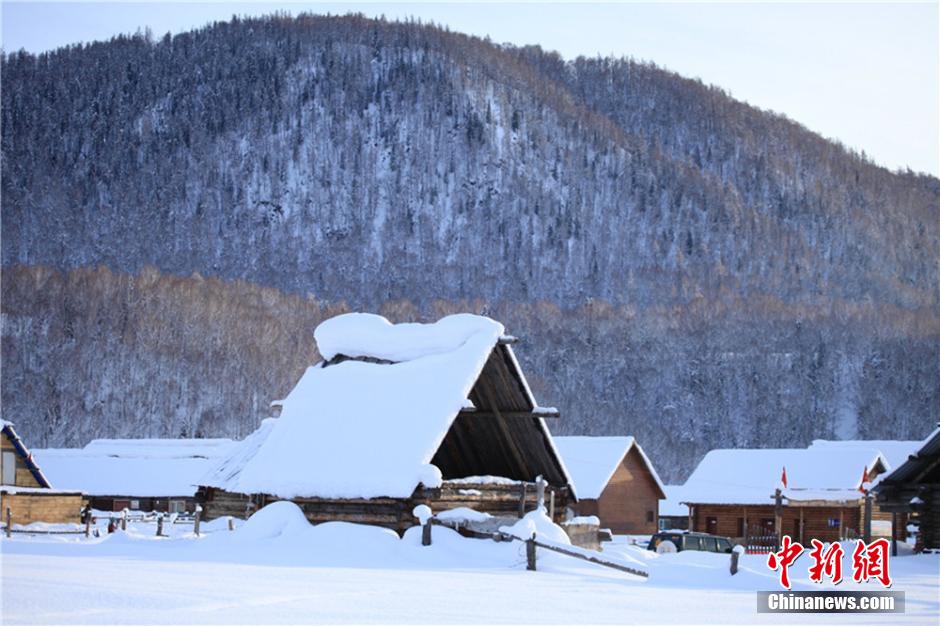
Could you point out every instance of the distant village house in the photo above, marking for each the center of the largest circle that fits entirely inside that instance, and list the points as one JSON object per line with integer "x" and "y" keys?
{"x": 136, "y": 474}
{"x": 615, "y": 481}
{"x": 822, "y": 495}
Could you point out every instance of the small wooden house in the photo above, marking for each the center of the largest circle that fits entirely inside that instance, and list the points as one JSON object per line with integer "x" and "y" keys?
{"x": 733, "y": 493}
{"x": 25, "y": 490}
{"x": 913, "y": 488}
{"x": 615, "y": 481}
{"x": 395, "y": 416}
{"x": 135, "y": 474}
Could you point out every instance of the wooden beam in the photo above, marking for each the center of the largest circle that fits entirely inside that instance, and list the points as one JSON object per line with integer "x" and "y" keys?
{"x": 506, "y": 340}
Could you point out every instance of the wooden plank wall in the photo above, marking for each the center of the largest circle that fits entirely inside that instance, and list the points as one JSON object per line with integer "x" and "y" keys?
{"x": 53, "y": 508}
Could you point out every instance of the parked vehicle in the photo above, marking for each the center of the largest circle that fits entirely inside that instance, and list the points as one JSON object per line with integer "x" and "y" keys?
{"x": 692, "y": 541}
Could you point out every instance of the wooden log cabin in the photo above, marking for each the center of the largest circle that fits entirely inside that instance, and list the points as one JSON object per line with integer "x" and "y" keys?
{"x": 615, "y": 481}
{"x": 732, "y": 493}
{"x": 25, "y": 490}
{"x": 395, "y": 416}
{"x": 913, "y": 489}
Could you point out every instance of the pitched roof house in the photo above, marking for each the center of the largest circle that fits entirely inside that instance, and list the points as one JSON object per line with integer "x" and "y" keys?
{"x": 137, "y": 474}
{"x": 24, "y": 488}
{"x": 394, "y": 416}
{"x": 614, "y": 480}
{"x": 732, "y": 492}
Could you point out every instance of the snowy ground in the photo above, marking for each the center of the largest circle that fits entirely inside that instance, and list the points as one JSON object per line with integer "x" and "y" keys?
{"x": 278, "y": 569}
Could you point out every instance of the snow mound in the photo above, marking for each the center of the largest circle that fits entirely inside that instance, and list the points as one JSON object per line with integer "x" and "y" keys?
{"x": 584, "y": 519}
{"x": 278, "y": 519}
{"x": 537, "y": 522}
{"x": 463, "y": 514}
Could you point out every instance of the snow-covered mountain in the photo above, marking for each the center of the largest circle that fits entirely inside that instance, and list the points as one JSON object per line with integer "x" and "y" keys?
{"x": 683, "y": 267}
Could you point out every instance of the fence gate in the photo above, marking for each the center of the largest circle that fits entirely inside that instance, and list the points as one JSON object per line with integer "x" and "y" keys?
{"x": 760, "y": 540}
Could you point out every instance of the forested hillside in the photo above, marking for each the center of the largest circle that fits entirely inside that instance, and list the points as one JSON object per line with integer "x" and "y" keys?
{"x": 682, "y": 267}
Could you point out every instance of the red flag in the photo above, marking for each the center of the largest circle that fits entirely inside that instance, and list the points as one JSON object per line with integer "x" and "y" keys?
{"x": 783, "y": 477}
{"x": 861, "y": 485}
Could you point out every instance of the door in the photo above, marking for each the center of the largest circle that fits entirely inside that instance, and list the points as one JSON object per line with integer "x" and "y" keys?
{"x": 711, "y": 525}
{"x": 9, "y": 468}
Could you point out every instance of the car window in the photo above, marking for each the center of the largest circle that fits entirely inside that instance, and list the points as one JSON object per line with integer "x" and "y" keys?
{"x": 693, "y": 543}
{"x": 710, "y": 544}
{"x": 724, "y": 545}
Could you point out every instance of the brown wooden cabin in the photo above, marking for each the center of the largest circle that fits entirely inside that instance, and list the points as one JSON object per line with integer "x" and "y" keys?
{"x": 26, "y": 491}
{"x": 732, "y": 494}
{"x": 913, "y": 489}
{"x": 615, "y": 481}
{"x": 503, "y": 436}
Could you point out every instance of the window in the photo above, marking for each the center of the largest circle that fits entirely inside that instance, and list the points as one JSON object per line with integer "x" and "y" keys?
{"x": 710, "y": 544}
{"x": 741, "y": 530}
{"x": 650, "y": 517}
{"x": 693, "y": 543}
{"x": 9, "y": 468}
{"x": 135, "y": 505}
{"x": 177, "y": 506}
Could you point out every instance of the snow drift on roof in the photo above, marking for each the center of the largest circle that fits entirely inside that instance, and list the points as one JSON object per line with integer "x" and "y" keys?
{"x": 592, "y": 461}
{"x": 368, "y": 335}
{"x": 748, "y": 476}
{"x": 159, "y": 448}
{"x": 359, "y": 430}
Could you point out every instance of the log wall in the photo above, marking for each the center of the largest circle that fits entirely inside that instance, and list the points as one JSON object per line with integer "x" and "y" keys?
{"x": 815, "y": 520}
{"x": 394, "y": 513}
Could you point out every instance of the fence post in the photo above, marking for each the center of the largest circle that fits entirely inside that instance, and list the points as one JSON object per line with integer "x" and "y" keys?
{"x": 196, "y": 521}
{"x": 88, "y": 518}
{"x": 551, "y": 505}
{"x": 231, "y": 523}
{"x": 426, "y": 533}
{"x": 530, "y": 553}
{"x": 735, "y": 555}
{"x": 894, "y": 533}
{"x": 778, "y": 516}
{"x": 124, "y": 519}
{"x": 9, "y": 523}
{"x": 539, "y": 492}
{"x": 159, "y": 524}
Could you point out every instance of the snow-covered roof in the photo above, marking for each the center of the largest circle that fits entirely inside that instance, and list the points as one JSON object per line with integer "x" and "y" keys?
{"x": 132, "y": 467}
{"x": 673, "y": 505}
{"x": 895, "y": 452}
{"x": 159, "y": 448}
{"x": 750, "y": 476}
{"x": 356, "y": 429}
{"x": 592, "y": 461}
